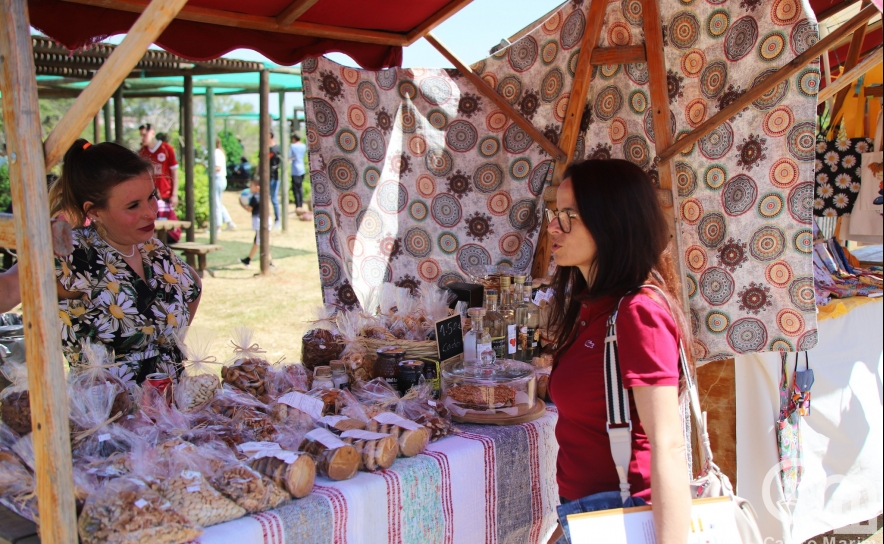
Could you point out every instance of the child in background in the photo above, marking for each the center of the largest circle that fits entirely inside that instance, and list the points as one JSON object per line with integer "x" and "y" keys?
{"x": 250, "y": 199}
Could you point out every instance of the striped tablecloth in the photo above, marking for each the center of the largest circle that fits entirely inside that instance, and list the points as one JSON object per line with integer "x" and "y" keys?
{"x": 485, "y": 484}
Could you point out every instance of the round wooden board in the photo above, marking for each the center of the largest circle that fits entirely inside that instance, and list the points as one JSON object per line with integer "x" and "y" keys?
{"x": 500, "y": 419}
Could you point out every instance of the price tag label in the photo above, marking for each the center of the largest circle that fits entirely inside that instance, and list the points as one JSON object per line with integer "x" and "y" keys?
{"x": 331, "y": 421}
{"x": 432, "y": 403}
{"x": 140, "y": 503}
{"x": 326, "y": 438}
{"x": 389, "y": 418}
{"x": 252, "y": 447}
{"x": 299, "y": 401}
{"x": 104, "y": 437}
{"x": 449, "y": 337}
{"x": 363, "y": 435}
{"x": 192, "y": 488}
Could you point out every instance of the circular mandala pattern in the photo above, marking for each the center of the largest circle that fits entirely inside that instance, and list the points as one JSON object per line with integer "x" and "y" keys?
{"x": 525, "y": 256}
{"x": 376, "y": 271}
{"x": 489, "y": 146}
{"x": 718, "y": 23}
{"x": 785, "y": 12}
{"x": 313, "y": 139}
{"x": 426, "y": 186}
{"x": 638, "y": 73}
{"x": 355, "y": 246}
{"x": 617, "y": 130}
{"x": 695, "y": 112}
{"x": 732, "y": 255}
{"x": 368, "y": 95}
{"x": 407, "y": 120}
{"x": 771, "y": 205}
{"x": 801, "y": 202}
{"x": 803, "y": 241}
{"x": 717, "y": 143}
{"x": 470, "y": 255}
{"x": 446, "y": 210}
{"x": 777, "y": 122}
{"x": 636, "y": 150}
{"x": 461, "y": 136}
{"x": 778, "y": 274}
{"x": 549, "y": 52}
{"x": 356, "y": 117}
{"x": 523, "y": 53}
{"x": 520, "y": 168}
{"x": 349, "y": 204}
{"x": 417, "y": 145}
{"x": 386, "y": 78}
{"x": 552, "y": 85}
{"x": 538, "y": 177}
{"x": 323, "y": 222}
{"x": 619, "y": 34}
{"x": 632, "y": 11}
{"x": 715, "y": 177}
{"x": 510, "y": 88}
{"x": 510, "y": 243}
{"x": 491, "y": 79}
{"x": 608, "y": 103}
{"x": 686, "y": 179}
{"x": 351, "y": 76}
{"x": 609, "y": 71}
{"x": 418, "y": 210}
{"x": 448, "y": 242}
{"x": 691, "y": 285}
{"x": 772, "y": 46}
{"x": 523, "y": 215}
{"x": 693, "y": 62}
{"x": 714, "y": 79}
{"x": 407, "y": 90}
{"x": 712, "y": 229}
{"x": 738, "y": 195}
{"x": 809, "y": 82}
{"x": 435, "y": 90}
{"x": 373, "y": 145}
{"x": 392, "y": 197}
{"x": 772, "y": 97}
{"x": 496, "y": 121}
{"x": 347, "y": 141}
{"x": 500, "y": 203}
{"x": 371, "y": 177}
{"x": 342, "y": 173}
{"x": 717, "y": 322}
{"x": 804, "y": 36}
{"x": 324, "y": 117}
{"x": 740, "y": 38}
{"x": 516, "y": 140}
{"x": 572, "y": 30}
{"x": 784, "y": 173}
{"x": 808, "y": 340}
{"x": 696, "y": 258}
{"x": 747, "y": 335}
{"x": 716, "y": 286}
{"x": 802, "y": 141}
{"x": 448, "y": 277}
{"x": 684, "y": 30}
{"x": 767, "y": 244}
{"x": 309, "y": 65}
{"x": 488, "y": 177}
{"x": 551, "y": 25}
{"x": 438, "y": 162}
{"x": 329, "y": 271}
{"x": 561, "y": 107}
{"x": 572, "y": 64}
{"x": 418, "y": 243}
{"x": 428, "y": 270}
{"x": 691, "y": 211}
{"x": 790, "y": 322}
{"x": 437, "y": 119}
{"x": 802, "y": 294}
{"x": 781, "y": 344}
{"x": 638, "y": 101}
{"x": 319, "y": 188}
{"x": 369, "y": 223}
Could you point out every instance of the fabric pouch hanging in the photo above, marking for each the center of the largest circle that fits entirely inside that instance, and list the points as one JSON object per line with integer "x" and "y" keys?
{"x": 788, "y": 437}
{"x": 802, "y": 381}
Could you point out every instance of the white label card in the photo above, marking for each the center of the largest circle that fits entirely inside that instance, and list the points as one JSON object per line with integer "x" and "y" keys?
{"x": 389, "y": 418}
{"x": 363, "y": 435}
{"x": 299, "y": 401}
{"x": 326, "y": 438}
{"x": 192, "y": 488}
{"x": 190, "y": 474}
{"x": 511, "y": 337}
{"x": 104, "y": 437}
{"x": 141, "y": 503}
{"x": 331, "y": 421}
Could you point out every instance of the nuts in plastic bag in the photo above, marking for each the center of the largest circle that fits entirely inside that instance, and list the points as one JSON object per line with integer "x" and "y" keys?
{"x": 199, "y": 381}
{"x": 15, "y": 400}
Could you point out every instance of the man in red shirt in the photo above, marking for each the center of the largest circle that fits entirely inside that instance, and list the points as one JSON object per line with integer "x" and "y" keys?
{"x": 165, "y": 165}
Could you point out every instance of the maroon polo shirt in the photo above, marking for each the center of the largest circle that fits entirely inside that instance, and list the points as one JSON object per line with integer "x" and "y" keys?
{"x": 647, "y": 340}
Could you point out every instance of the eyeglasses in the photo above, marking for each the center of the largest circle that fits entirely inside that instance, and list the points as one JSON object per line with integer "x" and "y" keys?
{"x": 564, "y": 217}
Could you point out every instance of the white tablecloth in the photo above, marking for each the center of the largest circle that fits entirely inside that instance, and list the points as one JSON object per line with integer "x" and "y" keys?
{"x": 843, "y": 437}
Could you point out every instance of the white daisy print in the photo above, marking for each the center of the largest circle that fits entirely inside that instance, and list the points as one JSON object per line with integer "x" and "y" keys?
{"x": 830, "y": 212}
{"x": 121, "y": 311}
{"x": 831, "y": 159}
{"x": 862, "y": 146}
{"x": 841, "y": 201}
{"x": 854, "y": 187}
{"x": 849, "y": 161}
{"x": 843, "y": 181}
{"x": 825, "y": 190}
{"x": 842, "y": 144}
{"x": 819, "y": 203}
{"x": 822, "y": 178}
{"x": 821, "y": 147}
{"x": 817, "y": 165}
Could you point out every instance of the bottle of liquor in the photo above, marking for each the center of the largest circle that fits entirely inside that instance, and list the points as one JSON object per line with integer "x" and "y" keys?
{"x": 495, "y": 324}
{"x": 521, "y": 318}
{"x": 509, "y": 317}
{"x": 532, "y": 323}
{"x": 477, "y": 348}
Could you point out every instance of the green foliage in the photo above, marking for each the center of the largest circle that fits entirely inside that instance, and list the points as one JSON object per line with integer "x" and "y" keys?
{"x": 5, "y": 195}
{"x": 232, "y": 148}
{"x": 200, "y": 195}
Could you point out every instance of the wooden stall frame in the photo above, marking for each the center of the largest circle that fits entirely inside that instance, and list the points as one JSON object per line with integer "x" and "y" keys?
{"x": 872, "y": 60}
{"x": 283, "y": 165}
{"x": 853, "y": 53}
{"x": 210, "y": 169}
{"x": 264, "y": 170}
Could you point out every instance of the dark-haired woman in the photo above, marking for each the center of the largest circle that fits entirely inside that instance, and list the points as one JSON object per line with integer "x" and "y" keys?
{"x": 609, "y": 237}
{"x": 120, "y": 285}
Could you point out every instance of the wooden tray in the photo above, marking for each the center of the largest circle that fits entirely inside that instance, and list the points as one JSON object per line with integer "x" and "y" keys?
{"x": 487, "y": 419}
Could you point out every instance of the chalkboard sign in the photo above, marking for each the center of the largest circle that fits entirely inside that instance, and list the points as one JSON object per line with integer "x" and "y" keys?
{"x": 449, "y": 337}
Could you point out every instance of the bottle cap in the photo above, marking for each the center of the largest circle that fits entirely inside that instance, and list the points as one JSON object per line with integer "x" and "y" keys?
{"x": 505, "y": 282}
{"x": 520, "y": 279}
{"x": 476, "y": 312}
{"x": 490, "y": 292}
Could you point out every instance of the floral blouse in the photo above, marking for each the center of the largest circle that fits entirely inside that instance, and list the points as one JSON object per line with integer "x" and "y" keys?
{"x": 134, "y": 317}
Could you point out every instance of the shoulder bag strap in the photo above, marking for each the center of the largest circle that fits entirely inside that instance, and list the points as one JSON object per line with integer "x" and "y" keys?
{"x": 617, "y": 403}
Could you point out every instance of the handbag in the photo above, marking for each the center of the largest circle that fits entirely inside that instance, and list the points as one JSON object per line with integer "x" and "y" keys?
{"x": 711, "y": 482}
{"x": 794, "y": 403}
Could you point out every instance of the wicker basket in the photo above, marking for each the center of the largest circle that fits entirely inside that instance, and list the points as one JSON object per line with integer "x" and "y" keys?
{"x": 413, "y": 348}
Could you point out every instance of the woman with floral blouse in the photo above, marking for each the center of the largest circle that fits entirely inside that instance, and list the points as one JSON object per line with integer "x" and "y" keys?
{"x": 120, "y": 285}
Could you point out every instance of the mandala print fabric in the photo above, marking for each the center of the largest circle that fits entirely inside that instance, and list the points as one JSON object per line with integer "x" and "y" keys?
{"x": 838, "y": 175}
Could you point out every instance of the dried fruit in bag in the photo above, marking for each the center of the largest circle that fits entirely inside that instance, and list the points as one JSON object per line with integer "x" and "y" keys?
{"x": 199, "y": 380}
{"x": 247, "y": 370}
{"x": 95, "y": 367}
{"x": 319, "y": 347}
{"x": 15, "y": 400}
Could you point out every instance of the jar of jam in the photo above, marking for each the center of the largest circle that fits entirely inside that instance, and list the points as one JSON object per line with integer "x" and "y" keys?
{"x": 386, "y": 366}
{"x": 322, "y": 378}
{"x": 410, "y": 372}
{"x": 432, "y": 375}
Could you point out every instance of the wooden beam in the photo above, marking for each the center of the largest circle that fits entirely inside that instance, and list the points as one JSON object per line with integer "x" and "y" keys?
{"x": 435, "y": 20}
{"x": 264, "y": 171}
{"x": 853, "y": 53}
{"x": 872, "y": 60}
{"x": 118, "y": 117}
{"x": 283, "y": 165}
{"x": 189, "y": 158}
{"x": 36, "y": 265}
{"x": 107, "y": 122}
{"x": 793, "y": 67}
{"x": 571, "y": 124}
{"x": 873, "y": 90}
{"x": 834, "y": 10}
{"x": 294, "y": 11}
{"x": 210, "y": 145}
{"x": 498, "y": 100}
{"x": 629, "y": 54}
{"x": 145, "y": 31}
{"x": 258, "y": 22}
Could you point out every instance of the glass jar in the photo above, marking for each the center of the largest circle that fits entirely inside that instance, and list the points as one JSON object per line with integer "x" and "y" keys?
{"x": 506, "y": 388}
{"x": 339, "y": 374}
{"x": 386, "y": 365}
{"x": 322, "y": 378}
{"x": 410, "y": 372}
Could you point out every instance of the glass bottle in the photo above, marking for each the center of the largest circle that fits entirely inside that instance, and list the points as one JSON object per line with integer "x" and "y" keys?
{"x": 509, "y": 317}
{"x": 520, "y": 310}
{"x": 477, "y": 348}
{"x": 495, "y": 324}
{"x": 339, "y": 374}
{"x": 532, "y": 324}
{"x": 322, "y": 378}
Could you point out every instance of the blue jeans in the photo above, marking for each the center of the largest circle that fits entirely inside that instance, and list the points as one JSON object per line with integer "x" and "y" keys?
{"x": 274, "y": 197}
{"x": 607, "y": 500}
{"x": 222, "y": 216}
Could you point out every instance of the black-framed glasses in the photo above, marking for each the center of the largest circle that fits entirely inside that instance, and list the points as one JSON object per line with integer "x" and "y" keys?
{"x": 564, "y": 217}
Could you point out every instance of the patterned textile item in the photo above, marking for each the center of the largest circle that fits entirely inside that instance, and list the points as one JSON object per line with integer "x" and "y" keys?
{"x": 838, "y": 175}
{"x": 485, "y": 484}
{"x": 789, "y": 437}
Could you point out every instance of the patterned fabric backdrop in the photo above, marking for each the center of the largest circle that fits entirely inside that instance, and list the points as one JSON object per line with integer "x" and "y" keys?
{"x": 838, "y": 175}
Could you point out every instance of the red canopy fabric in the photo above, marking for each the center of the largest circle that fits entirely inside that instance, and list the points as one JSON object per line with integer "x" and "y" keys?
{"x": 77, "y": 25}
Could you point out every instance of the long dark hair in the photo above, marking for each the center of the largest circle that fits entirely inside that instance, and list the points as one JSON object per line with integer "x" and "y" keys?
{"x": 618, "y": 204}
{"x": 89, "y": 173}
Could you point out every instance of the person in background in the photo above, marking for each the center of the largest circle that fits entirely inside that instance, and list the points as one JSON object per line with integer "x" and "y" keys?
{"x": 244, "y": 169}
{"x": 162, "y": 137}
{"x": 165, "y": 174}
{"x": 251, "y": 201}
{"x": 222, "y": 216}
{"x": 275, "y": 160}
{"x": 4, "y": 160}
{"x": 297, "y": 151}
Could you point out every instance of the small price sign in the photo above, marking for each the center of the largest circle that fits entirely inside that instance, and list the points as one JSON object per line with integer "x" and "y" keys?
{"x": 449, "y": 337}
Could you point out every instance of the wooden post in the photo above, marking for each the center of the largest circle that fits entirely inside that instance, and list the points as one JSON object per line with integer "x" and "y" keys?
{"x": 46, "y": 379}
{"x": 188, "y": 157}
{"x": 872, "y": 60}
{"x": 107, "y": 122}
{"x": 264, "y": 165}
{"x": 283, "y": 164}
{"x": 210, "y": 139}
{"x": 853, "y": 53}
{"x": 96, "y": 130}
{"x": 118, "y": 117}
{"x": 827, "y": 69}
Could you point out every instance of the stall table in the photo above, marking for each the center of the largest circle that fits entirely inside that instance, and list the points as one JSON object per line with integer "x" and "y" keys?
{"x": 163, "y": 226}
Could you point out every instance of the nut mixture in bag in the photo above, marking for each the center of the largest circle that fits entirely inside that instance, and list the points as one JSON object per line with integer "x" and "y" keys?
{"x": 193, "y": 497}
{"x": 15, "y": 400}
{"x": 247, "y": 370}
{"x": 419, "y": 406}
{"x": 199, "y": 381}
{"x": 95, "y": 367}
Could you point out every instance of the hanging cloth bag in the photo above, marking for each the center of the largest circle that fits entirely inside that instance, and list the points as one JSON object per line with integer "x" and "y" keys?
{"x": 794, "y": 403}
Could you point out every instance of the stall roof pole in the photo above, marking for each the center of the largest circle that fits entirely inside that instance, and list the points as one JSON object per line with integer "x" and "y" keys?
{"x": 96, "y": 129}
{"x": 283, "y": 163}
{"x": 118, "y": 117}
{"x": 872, "y": 60}
{"x": 210, "y": 146}
{"x": 264, "y": 165}
{"x": 853, "y": 53}
{"x": 107, "y": 122}
{"x": 189, "y": 157}
{"x": 46, "y": 380}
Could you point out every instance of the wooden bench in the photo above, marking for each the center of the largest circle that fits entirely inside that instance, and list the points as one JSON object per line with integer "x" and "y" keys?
{"x": 15, "y": 529}
{"x": 195, "y": 255}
